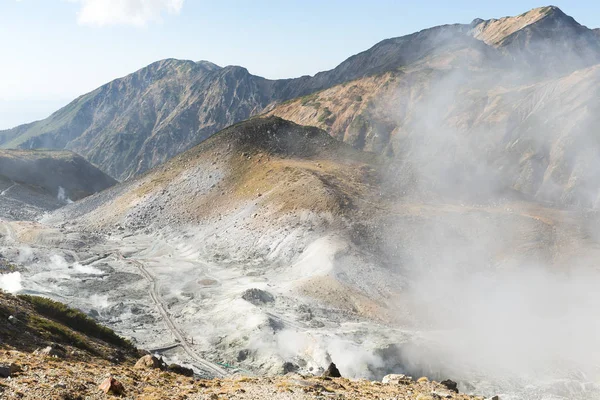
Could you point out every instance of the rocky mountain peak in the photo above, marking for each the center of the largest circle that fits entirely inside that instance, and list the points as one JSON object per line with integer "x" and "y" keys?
{"x": 495, "y": 31}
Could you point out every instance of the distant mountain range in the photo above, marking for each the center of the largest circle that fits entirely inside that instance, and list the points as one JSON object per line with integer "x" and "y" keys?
{"x": 500, "y": 81}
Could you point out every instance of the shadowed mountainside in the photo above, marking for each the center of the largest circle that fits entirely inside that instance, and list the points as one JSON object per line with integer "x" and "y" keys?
{"x": 35, "y": 181}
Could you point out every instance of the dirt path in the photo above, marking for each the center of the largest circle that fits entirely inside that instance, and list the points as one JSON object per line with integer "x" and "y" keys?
{"x": 203, "y": 364}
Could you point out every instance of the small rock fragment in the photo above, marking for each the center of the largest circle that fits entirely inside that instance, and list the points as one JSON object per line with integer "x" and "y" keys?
{"x": 332, "y": 372}
{"x": 148, "y": 362}
{"x": 54, "y": 350}
{"x": 4, "y": 371}
{"x": 450, "y": 385}
{"x": 257, "y": 296}
{"x": 396, "y": 379}
{"x": 111, "y": 385}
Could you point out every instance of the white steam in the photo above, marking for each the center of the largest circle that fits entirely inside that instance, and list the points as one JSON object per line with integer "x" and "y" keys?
{"x": 62, "y": 196}
{"x": 59, "y": 263}
{"x": 11, "y": 282}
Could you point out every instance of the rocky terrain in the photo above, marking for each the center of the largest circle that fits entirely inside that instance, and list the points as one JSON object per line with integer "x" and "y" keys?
{"x": 426, "y": 208}
{"x": 134, "y": 123}
{"x": 36, "y": 181}
{"x": 52, "y": 352}
{"x": 274, "y": 248}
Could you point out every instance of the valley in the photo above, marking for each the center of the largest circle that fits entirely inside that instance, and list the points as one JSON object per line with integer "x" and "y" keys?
{"x": 429, "y": 207}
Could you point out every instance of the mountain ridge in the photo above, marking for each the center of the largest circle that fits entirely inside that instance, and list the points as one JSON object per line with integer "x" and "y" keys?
{"x": 141, "y": 120}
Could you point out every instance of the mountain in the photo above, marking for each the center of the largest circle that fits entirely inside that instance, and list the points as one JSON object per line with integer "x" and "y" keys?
{"x": 258, "y": 161}
{"x": 271, "y": 233}
{"x": 545, "y": 38}
{"x": 134, "y": 123}
{"x": 452, "y": 126}
{"x": 35, "y": 181}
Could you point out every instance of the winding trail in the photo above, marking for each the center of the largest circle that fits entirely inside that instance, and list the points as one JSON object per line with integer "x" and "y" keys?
{"x": 203, "y": 364}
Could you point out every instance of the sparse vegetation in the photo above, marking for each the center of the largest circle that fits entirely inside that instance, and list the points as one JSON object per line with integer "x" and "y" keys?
{"x": 58, "y": 332}
{"x": 73, "y": 319}
{"x": 326, "y": 113}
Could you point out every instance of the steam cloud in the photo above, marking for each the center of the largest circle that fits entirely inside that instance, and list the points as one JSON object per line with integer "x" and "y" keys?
{"x": 62, "y": 196}
{"x": 501, "y": 290}
{"x": 11, "y": 282}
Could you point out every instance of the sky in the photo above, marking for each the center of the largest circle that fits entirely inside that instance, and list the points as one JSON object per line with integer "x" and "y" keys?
{"x": 55, "y": 50}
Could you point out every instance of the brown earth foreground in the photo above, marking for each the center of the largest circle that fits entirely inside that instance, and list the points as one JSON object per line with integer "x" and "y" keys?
{"x": 52, "y": 378}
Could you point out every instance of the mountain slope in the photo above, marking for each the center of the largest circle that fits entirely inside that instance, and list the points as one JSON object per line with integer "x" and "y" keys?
{"x": 143, "y": 119}
{"x": 545, "y": 38}
{"x": 481, "y": 133}
{"x": 34, "y": 181}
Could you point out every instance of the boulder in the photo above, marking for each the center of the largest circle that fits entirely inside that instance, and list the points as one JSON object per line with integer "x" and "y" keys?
{"x": 178, "y": 369}
{"x": 289, "y": 367}
{"x": 396, "y": 379}
{"x": 111, "y": 385}
{"x": 257, "y": 296}
{"x": 332, "y": 371}
{"x": 450, "y": 385}
{"x": 148, "y": 362}
{"x": 4, "y": 371}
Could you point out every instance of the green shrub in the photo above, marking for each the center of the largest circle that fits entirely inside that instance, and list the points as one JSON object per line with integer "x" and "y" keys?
{"x": 75, "y": 320}
{"x": 60, "y": 334}
{"x": 325, "y": 114}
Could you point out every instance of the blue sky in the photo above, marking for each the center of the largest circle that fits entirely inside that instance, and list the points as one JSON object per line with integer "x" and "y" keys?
{"x": 55, "y": 50}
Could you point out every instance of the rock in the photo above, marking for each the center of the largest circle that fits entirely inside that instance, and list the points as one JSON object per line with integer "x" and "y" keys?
{"x": 4, "y": 371}
{"x": 54, "y": 350}
{"x": 289, "y": 367}
{"x": 13, "y": 320}
{"x": 111, "y": 385}
{"x": 423, "y": 379}
{"x": 441, "y": 395}
{"x": 117, "y": 357}
{"x": 178, "y": 369}
{"x": 257, "y": 296}
{"x": 148, "y": 362}
{"x": 494, "y": 398}
{"x": 332, "y": 371}
{"x": 396, "y": 379}
{"x": 243, "y": 354}
{"x": 15, "y": 368}
{"x": 450, "y": 385}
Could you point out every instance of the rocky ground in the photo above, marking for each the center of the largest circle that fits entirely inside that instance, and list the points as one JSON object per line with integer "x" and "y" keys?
{"x": 42, "y": 377}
